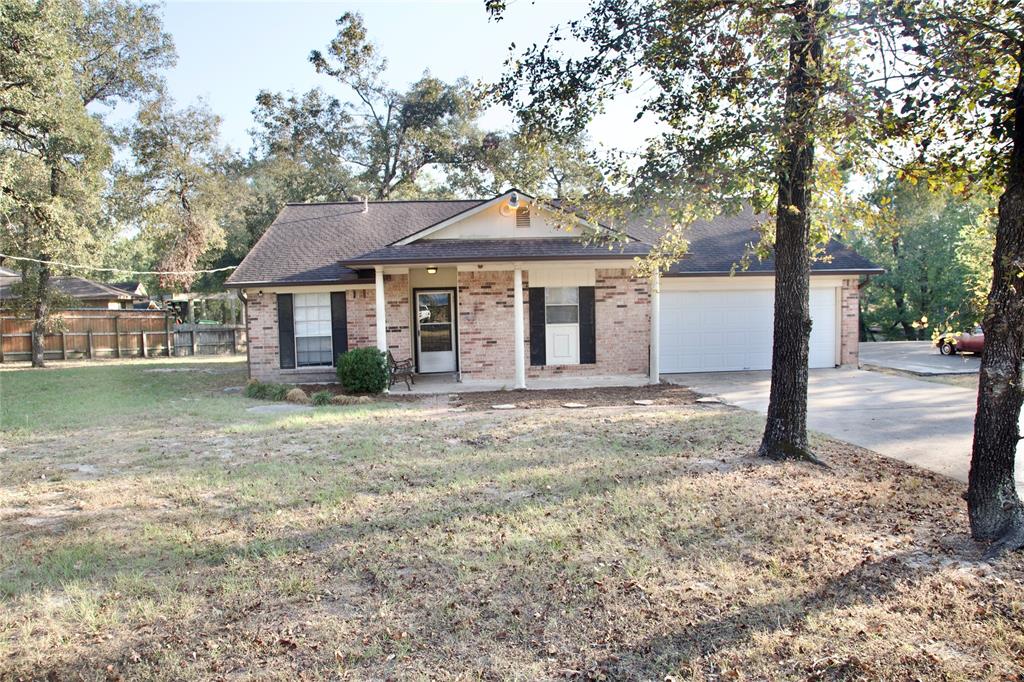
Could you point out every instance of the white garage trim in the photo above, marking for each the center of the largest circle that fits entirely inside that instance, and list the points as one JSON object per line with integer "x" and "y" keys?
{"x": 725, "y": 324}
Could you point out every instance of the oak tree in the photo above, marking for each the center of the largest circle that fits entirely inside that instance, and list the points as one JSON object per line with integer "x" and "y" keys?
{"x": 749, "y": 99}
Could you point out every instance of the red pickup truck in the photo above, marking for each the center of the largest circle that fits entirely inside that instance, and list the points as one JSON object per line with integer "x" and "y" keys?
{"x": 968, "y": 342}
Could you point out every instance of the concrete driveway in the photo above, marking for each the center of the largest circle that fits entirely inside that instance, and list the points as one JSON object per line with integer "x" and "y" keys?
{"x": 919, "y": 357}
{"x": 924, "y": 423}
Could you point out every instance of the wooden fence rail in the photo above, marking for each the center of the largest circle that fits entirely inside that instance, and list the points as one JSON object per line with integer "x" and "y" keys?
{"x": 98, "y": 333}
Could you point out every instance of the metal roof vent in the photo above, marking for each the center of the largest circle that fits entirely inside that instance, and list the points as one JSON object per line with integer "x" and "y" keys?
{"x": 523, "y": 216}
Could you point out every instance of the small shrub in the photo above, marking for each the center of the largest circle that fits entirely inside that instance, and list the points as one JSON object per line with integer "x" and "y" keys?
{"x": 343, "y": 400}
{"x": 256, "y": 389}
{"x": 363, "y": 370}
{"x": 297, "y": 395}
{"x": 277, "y": 392}
{"x": 265, "y": 391}
{"x": 321, "y": 398}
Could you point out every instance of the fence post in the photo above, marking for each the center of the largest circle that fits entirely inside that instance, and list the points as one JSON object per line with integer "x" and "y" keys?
{"x": 195, "y": 343}
{"x": 1, "y": 339}
{"x": 142, "y": 333}
{"x": 64, "y": 345}
{"x": 117, "y": 336}
{"x": 89, "y": 342}
{"x": 167, "y": 335}
{"x": 234, "y": 341}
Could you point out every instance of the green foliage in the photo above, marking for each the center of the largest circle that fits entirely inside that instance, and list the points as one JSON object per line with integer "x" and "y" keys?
{"x": 177, "y": 190}
{"x": 263, "y": 390}
{"x": 321, "y": 397}
{"x": 57, "y": 58}
{"x": 925, "y": 241}
{"x": 432, "y": 123}
{"x": 716, "y": 78}
{"x": 974, "y": 247}
{"x": 363, "y": 370}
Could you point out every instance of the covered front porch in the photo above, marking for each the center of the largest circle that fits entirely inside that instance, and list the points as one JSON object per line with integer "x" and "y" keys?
{"x": 467, "y": 326}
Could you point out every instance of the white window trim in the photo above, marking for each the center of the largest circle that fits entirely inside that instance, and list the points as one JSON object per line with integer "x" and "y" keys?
{"x": 296, "y": 337}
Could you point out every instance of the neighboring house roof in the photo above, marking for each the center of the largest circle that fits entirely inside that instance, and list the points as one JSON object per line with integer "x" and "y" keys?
{"x": 134, "y": 287}
{"x": 76, "y": 287}
{"x": 477, "y": 250}
{"x": 339, "y": 242}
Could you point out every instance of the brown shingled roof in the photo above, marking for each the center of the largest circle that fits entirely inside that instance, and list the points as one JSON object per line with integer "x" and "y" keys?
{"x": 307, "y": 242}
{"x": 327, "y": 243}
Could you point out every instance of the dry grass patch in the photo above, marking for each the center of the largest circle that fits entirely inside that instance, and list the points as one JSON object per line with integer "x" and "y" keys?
{"x": 407, "y": 542}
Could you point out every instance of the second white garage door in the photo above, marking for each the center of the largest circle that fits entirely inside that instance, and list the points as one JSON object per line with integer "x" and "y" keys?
{"x": 719, "y": 331}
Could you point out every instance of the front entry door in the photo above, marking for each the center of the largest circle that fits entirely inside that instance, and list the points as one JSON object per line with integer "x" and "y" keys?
{"x": 435, "y": 331}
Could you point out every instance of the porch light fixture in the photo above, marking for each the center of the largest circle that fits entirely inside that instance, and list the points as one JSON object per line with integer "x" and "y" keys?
{"x": 432, "y": 270}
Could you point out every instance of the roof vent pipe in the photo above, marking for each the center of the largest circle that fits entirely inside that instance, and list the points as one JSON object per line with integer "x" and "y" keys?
{"x": 366, "y": 203}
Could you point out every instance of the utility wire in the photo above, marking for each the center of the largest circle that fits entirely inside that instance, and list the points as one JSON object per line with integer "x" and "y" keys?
{"x": 118, "y": 270}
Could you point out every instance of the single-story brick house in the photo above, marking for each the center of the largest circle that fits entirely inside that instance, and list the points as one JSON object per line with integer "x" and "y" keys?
{"x": 498, "y": 290}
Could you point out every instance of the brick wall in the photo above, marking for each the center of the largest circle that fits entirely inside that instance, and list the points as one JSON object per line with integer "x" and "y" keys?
{"x": 849, "y": 322}
{"x": 398, "y": 316}
{"x": 622, "y": 308}
{"x": 485, "y": 324}
{"x": 623, "y": 314}
{"x": 261, "y": 325}
{"x": 360, "y": 308}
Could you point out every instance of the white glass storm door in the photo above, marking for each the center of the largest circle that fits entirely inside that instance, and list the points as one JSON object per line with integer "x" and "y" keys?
{"x": 435, "y": 331}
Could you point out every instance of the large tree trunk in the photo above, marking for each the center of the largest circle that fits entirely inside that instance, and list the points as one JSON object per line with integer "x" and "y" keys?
{"x": 994, "y": 507}
{"x": 40, "y": 314}
{"x": 785, "y": 433}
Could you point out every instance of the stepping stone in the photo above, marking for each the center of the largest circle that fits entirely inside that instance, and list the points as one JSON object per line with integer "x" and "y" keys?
{"x": 709, "y": 399}
{"x": 456, "y": 409}
{"x": 233, "y": 389}
{"x": 643, "y": 402}
{"x": 284, "y": 408}
{"x": 504, "y": 406}
{"x": 574, "y": 406}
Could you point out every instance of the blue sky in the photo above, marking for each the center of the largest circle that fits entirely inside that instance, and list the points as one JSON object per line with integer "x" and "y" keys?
{"x": 228, "y": 51}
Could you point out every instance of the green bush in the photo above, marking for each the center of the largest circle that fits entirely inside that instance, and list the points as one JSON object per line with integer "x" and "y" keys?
{"x": 363, "y": 370}
{"x": 321, "y": 398}
{"x": 265, "y": 391}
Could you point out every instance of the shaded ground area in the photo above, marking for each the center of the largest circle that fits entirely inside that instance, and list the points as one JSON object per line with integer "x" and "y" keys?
{"x": 398, "y": 541}
{"x": 926, "y": 423}
{"x": 665, "y": 394}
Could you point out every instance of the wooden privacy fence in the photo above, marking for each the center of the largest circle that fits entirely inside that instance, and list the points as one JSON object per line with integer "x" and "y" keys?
{"x": 99, "y": 333}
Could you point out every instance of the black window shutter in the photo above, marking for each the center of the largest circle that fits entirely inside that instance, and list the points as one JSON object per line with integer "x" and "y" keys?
{"x": 339, "y": 325}
{"x": 588, "y": 327}
{"x": 538, "y": 338}
{"x": 286, "y": 331}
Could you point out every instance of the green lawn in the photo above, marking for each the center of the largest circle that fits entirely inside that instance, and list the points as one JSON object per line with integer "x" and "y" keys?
{"x": 61, "y": 397}
{"x": 153, "y": 528}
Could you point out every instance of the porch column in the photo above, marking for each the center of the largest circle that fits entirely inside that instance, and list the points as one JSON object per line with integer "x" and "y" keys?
{"x": 655, "y": 376}
{"x": 382, "y": 325}
{"x": 519, "y": 336}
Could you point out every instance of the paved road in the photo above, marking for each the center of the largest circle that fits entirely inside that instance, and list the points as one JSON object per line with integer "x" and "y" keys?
{"x": 919, "y": 357}
{"x": 924, "y": 423}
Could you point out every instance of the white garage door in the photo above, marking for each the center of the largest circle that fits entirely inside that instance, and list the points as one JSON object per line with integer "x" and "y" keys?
{"x": 718, "y": 331}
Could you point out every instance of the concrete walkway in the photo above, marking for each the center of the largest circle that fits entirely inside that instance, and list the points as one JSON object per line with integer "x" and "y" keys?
{"x": 918, "y": 357}
{"x": 924, "y": 423}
